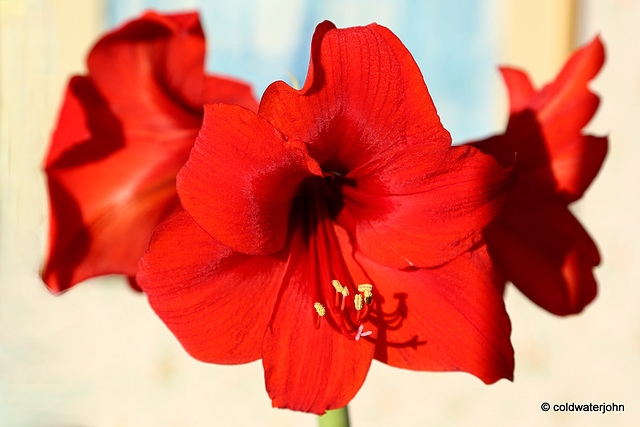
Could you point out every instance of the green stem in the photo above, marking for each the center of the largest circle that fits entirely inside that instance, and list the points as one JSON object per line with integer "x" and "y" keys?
{"x": 335, "y": 418}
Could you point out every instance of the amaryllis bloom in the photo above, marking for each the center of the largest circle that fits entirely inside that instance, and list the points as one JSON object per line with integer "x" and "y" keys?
{"x": 123, "y": 133}
{"x": 537, "y": 243}
{"x": 336, "y": 226}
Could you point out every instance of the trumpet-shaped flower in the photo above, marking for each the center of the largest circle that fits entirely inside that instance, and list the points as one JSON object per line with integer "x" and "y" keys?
{"x": 537, "y": 243}
{"x": 124, "y": 130}
{"x": 336, "y": 226}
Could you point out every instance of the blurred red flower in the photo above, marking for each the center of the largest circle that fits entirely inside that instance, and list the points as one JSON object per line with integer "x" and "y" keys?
{"x": 352, "y": 178}
{"x": 124, "y": 131}
{"x": 537, "y": 243}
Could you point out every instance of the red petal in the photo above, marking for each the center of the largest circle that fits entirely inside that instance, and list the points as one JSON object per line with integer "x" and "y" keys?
{"x": 545, "y": 252}
{"x": 365, "y": 113}
{"x": 364, "y": 101}
{"x": 519, "y": 87}
{"x": 576, "y": 163}
{"x": 241, "y": 179}
{"x": 572, "y": 80}
{"x": 307, "y": 368}
{"x": 217, "y": 302}
{"x": 444, "y": 202}
{"x": 95, "y": 239}
{"x": 73, "y": 127}
{"x": 156, "y": 63}
{"x": 556, "y": 154}
{"x": 105, "y": 201}
{"x": 450, "y": 318}
{"x": 181, "y": 61}
{"x": 549, "y": 139}
{"x": 151, "y": 70}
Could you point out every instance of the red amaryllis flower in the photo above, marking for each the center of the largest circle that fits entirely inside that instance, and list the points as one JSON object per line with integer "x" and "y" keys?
{"x": 124, "y": 131}
{"x": 336, "y": 226}
{"x": 537, "y": 243}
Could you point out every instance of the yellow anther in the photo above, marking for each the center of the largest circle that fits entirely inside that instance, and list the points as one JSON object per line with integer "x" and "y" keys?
{"x": 357, "y": 300}
{"x": 366, "y": 288}
{"x": 336, "y": 284}
{"x": 345, "y": 291}
{"x": 320, "y": 309}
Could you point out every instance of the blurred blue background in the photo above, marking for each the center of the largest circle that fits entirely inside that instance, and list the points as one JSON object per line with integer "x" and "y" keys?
{"x": 453, "y": 42}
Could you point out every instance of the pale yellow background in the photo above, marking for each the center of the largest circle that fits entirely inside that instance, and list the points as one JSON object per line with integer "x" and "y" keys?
{"x": 98, "y": 356}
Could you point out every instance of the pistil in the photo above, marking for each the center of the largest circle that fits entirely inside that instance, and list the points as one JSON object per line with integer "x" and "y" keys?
{"x": 362, "y": 334}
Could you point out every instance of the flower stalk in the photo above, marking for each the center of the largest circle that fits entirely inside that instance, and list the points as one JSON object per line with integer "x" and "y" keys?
{"x": 335, "y": 418}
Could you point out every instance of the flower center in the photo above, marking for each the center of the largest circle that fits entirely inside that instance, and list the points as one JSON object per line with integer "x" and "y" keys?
{"x": 361, "y": 303}
{"x": 340, "y": 304}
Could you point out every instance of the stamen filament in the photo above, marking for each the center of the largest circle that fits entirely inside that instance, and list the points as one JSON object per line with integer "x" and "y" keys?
{"x": 357, "y": 301}
{"x": 345, "y": 294}
{"x": 321, "y": 312}
{"x": 338, "y": 286}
